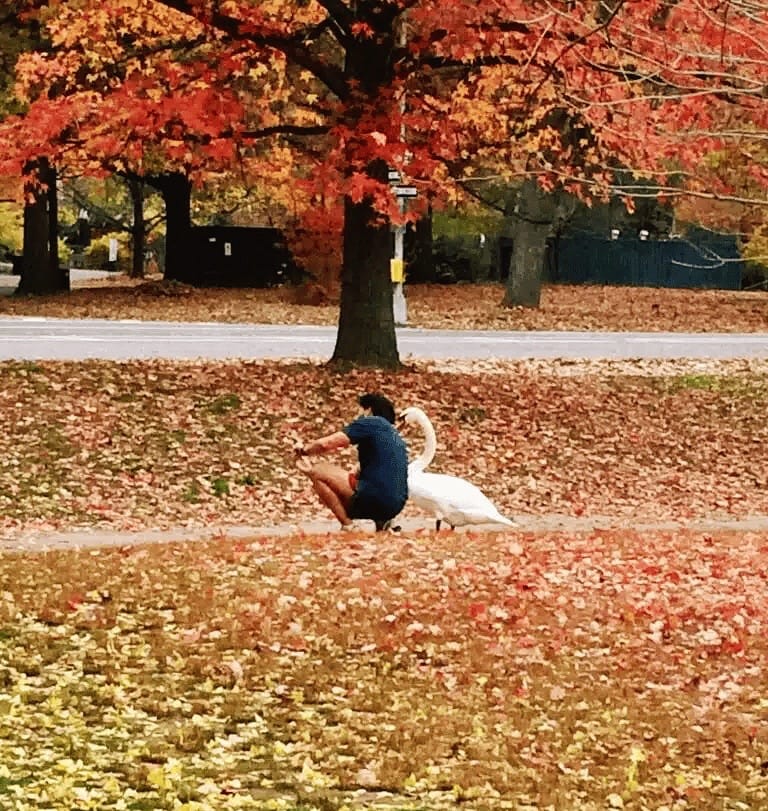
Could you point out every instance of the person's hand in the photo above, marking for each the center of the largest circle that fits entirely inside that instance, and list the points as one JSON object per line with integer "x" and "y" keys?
{"x": 303, "y": 464}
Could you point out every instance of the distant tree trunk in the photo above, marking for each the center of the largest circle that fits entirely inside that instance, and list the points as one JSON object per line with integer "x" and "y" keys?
{"x": 527, "y": 264}
{"x": 35, "y": 251}
{"x": 138, "y": 228}
{"x": 420, "y": 260}
{"x": 366, "y": 333}
{"x": 57, "y": 274}
{"x": 40, "y": 271}
{"x": 537, "y": 215}
{"x": 177, "y": 195}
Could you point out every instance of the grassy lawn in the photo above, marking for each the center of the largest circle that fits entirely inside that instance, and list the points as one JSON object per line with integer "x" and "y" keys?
{"x": 513, "y": 670}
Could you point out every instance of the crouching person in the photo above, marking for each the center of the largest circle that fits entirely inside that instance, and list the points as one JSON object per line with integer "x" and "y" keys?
{"x": 378, "y": 489}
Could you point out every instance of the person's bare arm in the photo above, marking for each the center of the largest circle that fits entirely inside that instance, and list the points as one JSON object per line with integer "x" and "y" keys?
{"x": 331, "y": 442}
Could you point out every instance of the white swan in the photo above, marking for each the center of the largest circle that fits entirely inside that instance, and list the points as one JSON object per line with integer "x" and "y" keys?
{"x": 449, "y": 498}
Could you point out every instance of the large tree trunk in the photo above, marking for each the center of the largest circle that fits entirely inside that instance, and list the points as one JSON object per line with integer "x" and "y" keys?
{"x": 366, "y": 334}
{"x": 40, "y": 271}
{"x": 177, "y": 195}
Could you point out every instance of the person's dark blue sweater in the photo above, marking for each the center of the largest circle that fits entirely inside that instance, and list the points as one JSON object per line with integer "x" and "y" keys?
{"x": 382, "y": 486}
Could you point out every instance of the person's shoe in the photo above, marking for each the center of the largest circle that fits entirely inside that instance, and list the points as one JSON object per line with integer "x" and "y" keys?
{"x": 350, "y": 527}
{"x": 387, "y": 526}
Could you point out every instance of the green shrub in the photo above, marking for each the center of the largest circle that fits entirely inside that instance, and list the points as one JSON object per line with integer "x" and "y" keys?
{"x": 97, "y": 253}
{"x": 11, "y": 227}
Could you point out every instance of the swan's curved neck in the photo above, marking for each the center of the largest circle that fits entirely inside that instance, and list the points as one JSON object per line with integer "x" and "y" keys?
{"x": 430, "y": 443}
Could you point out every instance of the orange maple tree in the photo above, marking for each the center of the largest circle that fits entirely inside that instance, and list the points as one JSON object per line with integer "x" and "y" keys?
{"x": 325, "y": 97}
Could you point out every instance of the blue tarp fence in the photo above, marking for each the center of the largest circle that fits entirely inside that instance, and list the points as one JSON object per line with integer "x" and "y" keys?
{"x": 712, "y": 263}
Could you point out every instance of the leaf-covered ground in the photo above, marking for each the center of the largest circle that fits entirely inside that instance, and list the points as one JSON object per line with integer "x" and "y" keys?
{"x": 158, "y": 444}
{"x": 481, "y": 671}
{"x": 469, "y": 306}
{"x": 528, "y": 670}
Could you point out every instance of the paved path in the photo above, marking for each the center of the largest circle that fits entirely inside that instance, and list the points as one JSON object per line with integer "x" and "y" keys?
{"x": 30, "y": 338}
{"x": 9, "y": 282}
{"x": 555, "y": 522}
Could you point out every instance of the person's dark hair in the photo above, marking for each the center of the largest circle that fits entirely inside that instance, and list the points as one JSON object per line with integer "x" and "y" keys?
{"x": 380, "y": 406}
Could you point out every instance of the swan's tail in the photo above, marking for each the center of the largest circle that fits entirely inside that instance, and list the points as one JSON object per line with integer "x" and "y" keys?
{"x": 502, "y": 519}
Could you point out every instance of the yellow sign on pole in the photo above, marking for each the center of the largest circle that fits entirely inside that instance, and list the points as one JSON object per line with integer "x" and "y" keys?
{"x": 397, "y": 270}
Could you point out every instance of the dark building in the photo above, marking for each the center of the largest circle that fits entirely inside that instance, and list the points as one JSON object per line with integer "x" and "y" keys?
{"x": 234, "y": 256}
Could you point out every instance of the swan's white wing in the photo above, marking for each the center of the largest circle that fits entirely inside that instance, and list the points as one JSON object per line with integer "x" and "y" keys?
{"x": 421, "y": 493}
{"x": 460, "y": 502}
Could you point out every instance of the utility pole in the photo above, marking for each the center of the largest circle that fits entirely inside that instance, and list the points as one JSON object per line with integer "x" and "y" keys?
{"x": 397, "y": 265}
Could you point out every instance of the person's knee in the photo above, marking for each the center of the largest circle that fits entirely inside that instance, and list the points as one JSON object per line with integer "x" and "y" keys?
{"x": 323, "y": 471}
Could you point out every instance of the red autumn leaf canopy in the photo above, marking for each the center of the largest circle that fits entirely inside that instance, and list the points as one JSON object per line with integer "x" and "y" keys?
{"x": 438, "y": 90}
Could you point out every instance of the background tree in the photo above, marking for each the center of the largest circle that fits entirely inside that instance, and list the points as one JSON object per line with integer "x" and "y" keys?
{"x": 563, "y": 114}
{"x": 40, "y": 270}
{"x": 111, "y": 205}
{"x": 92, "y": 109}
{"x": 39, "y": 267}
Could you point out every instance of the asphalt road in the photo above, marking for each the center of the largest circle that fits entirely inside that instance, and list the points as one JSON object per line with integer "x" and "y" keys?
{"x": 64, "y": 339}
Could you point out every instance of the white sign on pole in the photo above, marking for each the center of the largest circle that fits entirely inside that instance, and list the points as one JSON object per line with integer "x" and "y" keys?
{"x": 405, "y": 191}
